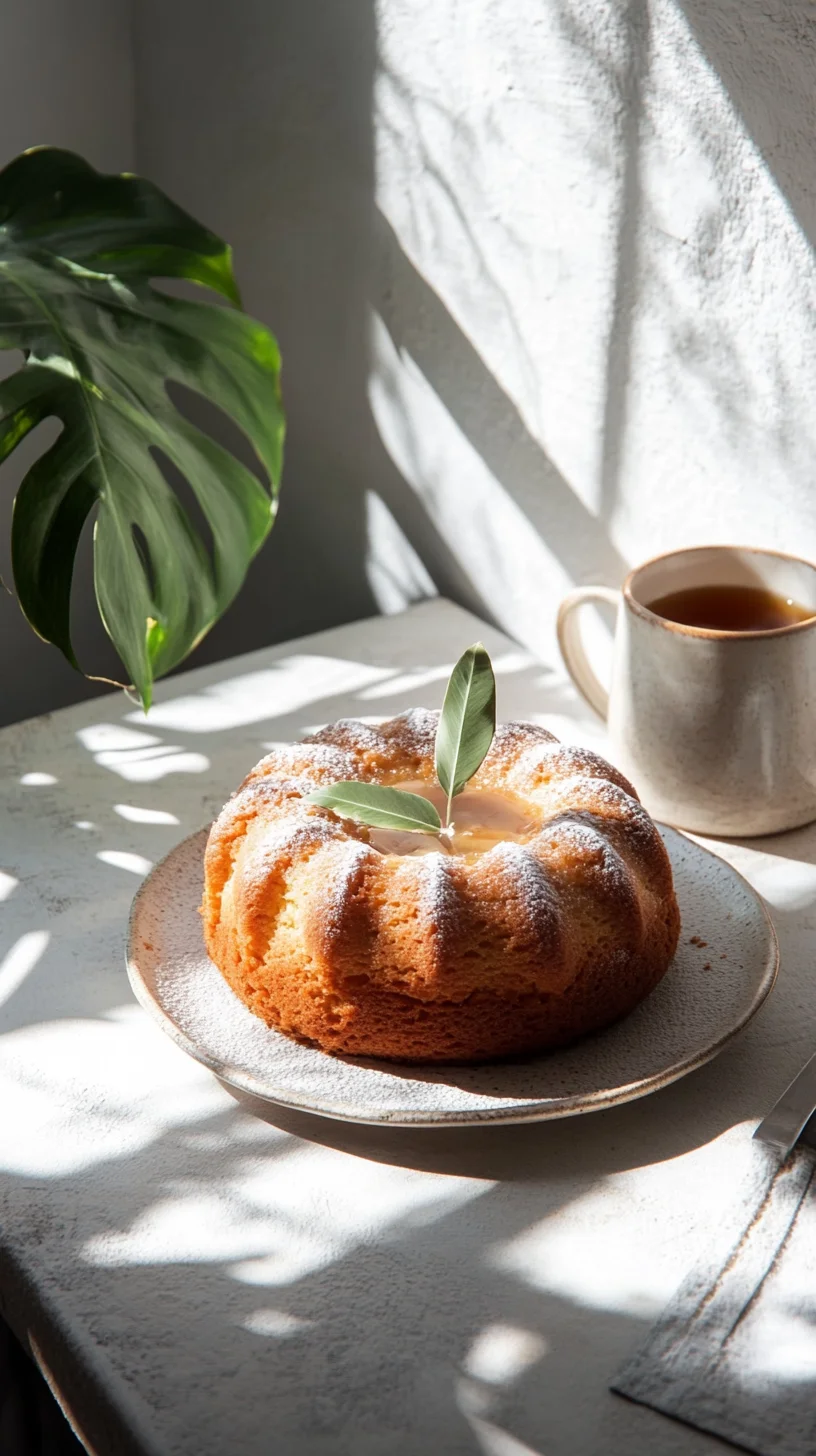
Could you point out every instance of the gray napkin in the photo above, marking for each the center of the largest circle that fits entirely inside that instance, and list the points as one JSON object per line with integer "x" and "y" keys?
{"x": 734, "y": 1353}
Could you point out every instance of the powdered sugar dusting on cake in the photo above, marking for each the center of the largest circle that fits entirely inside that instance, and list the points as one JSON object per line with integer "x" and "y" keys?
{"x": 347, "y": 863}
{"x": 514, "y": 738}
{"x": 406, "y": 740}
{"x": 437, "y": 898}
{"x": 552, "y": 763}
{"x": 283, "y": 840}
{"x": 316, "y": 759}
{"x": 605, "y": 797}
{"x": 414, "y": 730}
{"x": 356, "y": 738}
{"x": 576, "y": 831}
{"x": 530, "y": 879}
{"x": 252, "y": 796}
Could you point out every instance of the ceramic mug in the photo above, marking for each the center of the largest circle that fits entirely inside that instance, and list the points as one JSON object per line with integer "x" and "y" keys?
{"x": 716, "y": 729}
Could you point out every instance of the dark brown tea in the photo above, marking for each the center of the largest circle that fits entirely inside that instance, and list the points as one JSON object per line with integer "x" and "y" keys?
{"x": 731, "y": 609}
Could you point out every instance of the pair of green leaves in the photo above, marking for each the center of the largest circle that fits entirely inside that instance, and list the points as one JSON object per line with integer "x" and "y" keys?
{"x": 467, "y": 724}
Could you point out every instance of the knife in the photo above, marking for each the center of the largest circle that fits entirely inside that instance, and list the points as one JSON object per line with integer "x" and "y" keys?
{"x": 789, "y": 1117}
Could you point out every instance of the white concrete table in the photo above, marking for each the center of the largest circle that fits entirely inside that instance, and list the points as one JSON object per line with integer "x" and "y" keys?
{"x": 201, "y": 1282}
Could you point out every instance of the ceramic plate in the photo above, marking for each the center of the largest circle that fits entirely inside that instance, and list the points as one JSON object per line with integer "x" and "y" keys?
{"x": 723, "y": 970}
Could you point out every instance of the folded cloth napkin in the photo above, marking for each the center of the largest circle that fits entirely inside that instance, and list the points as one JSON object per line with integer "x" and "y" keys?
{"x": 734, "y": 1353}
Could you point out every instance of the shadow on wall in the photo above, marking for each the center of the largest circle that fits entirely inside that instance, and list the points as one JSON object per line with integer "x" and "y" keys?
{"x": 283, "y": 164}
{"x": 763, "y": 55}
{"x": 272, "y": 144}
{"x": 418, "y": 322}
{"x": 271, "y": 141}
{"x": 777, "y": 102}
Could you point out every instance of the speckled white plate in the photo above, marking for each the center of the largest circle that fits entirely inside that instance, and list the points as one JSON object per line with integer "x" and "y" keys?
{"x": 723, "y": 970}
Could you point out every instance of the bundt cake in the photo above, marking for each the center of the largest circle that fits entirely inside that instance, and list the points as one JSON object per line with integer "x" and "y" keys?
{"x": 549, "y": 912}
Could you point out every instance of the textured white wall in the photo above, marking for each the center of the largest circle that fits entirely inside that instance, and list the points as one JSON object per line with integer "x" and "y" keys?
{"x": 542, "y": 275}
{"x": 598, "y": 339}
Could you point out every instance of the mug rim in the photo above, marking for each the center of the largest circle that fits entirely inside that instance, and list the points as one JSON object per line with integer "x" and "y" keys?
{"x": 718, "y": 634}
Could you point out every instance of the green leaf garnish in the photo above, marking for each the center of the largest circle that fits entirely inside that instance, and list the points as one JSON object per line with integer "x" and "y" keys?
{"x": 467, "y": 722}
{"x": 381, "y": 807}
{"x": 466, "y": 727}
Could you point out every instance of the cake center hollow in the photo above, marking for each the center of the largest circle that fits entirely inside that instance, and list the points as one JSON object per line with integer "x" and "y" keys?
{"x": 481, "y": 818}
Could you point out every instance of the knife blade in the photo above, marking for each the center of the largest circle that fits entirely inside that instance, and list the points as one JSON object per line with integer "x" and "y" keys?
{"x": 788, "y": 1117}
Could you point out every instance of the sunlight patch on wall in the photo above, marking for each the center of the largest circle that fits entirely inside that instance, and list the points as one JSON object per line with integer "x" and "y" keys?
{"x": 497, "y": 163}
{"x": 489, "y": 534}
{"x": 598, "y": 237}
{"x": 722, "y": 335}
{"x": 395, "y": 573}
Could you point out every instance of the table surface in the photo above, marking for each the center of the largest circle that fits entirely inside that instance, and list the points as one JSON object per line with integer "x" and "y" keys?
{"x": 201, "y": 1281}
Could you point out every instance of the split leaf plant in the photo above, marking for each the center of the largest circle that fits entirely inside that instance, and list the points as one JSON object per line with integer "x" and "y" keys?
{"x": 79, "y": 255}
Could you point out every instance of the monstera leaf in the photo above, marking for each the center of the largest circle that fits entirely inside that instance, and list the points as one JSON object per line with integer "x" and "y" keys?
{"x": 78, "y": 251}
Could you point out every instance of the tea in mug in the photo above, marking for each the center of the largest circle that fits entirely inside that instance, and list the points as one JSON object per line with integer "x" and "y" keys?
{"x": 731, "y": 609}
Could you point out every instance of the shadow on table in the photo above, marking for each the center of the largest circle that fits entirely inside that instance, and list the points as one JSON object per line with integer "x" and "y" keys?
{"x": 650, "y": 1130}
{"x": 247, "y": 1281}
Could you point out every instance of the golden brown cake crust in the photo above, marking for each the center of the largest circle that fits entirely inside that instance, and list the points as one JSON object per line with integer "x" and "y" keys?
{"x": 438, "y": 957}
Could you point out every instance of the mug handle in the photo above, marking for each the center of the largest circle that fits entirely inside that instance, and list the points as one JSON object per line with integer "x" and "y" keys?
{"x": 571, "y": 643}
